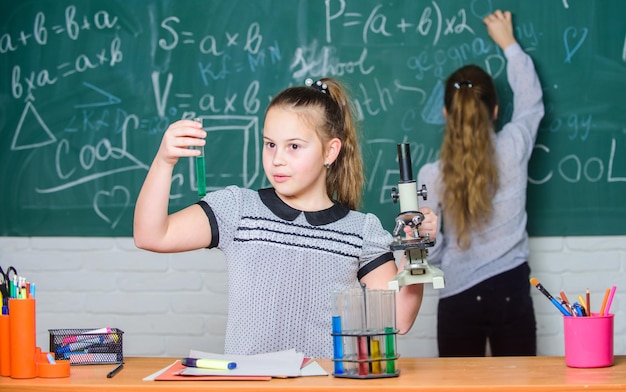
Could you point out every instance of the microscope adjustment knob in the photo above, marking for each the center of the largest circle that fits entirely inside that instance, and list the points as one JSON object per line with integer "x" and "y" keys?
{"x": 394, "y": 195}
{"x": 417, "y": 219}
{"x": 423, "y": 192}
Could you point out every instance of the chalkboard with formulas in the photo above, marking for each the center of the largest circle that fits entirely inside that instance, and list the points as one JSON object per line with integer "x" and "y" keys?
{"x": 88, "y": 88}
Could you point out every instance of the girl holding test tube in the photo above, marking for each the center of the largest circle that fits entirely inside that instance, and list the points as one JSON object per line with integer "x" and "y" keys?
{"x": 287, "y": 247}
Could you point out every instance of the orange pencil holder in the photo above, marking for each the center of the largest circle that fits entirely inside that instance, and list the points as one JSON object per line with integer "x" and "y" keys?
{"x": 5, "y": 346}
{"x": 45, "y": 369}
{"x": 22, "y": 330}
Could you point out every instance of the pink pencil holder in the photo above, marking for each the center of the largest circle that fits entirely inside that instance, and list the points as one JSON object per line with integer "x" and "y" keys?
{"x": 588, "y": 341}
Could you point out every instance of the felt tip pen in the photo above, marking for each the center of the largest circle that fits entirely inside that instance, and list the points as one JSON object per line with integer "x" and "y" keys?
{"x": 116, "y": 370}
{"x": 545, "y": 292}
{"x": 80, "y": 345}
{"x": 86, "y": 335}
{"x": 204, "y": 363}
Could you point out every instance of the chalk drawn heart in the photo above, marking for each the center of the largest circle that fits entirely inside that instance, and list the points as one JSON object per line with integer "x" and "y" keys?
{"x": 574, "y": 33}
{"x": 119, "y": 194}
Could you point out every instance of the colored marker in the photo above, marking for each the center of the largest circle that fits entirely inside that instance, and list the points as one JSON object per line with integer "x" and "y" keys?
{"x": 606, "y": 298}
{"x": 83, "y": 358}
{"x": 82, "y": 344}
{"x": 578, "y": 309}
{"x": 204, "y": 363}
{"x": 85, "y": 335}
{"x": 609, "y": 301}
{"x": 545, "y": 292}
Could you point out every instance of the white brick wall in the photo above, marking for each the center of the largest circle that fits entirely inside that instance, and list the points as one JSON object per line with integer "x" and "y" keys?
{"x": 168, "y": 304}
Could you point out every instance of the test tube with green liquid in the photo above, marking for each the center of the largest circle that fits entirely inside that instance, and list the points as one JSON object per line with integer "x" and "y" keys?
{"x": 200, "y": 166}
{"x": 389, "y": 324}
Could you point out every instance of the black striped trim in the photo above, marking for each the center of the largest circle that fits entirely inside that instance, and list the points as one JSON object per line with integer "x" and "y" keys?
{"x": 215, "y": 232}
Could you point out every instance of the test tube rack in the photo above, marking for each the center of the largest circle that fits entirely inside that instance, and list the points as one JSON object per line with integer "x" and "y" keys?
{"x": 364, "y": 334}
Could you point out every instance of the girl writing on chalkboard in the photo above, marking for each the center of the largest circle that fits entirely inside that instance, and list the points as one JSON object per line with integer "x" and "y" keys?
{"x": 290, "y": 246}
{"x": 478, "y": 188}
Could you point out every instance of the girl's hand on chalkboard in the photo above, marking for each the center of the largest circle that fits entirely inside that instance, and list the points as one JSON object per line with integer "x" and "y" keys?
{"x": 177, "y": 139}
{"x": 500, "y": 28}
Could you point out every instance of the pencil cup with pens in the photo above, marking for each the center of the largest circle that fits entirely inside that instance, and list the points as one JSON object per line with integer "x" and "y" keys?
{"x": 20, "y": 357}
{"x": 364, "y": 333}
{"x": 588, "y": 335}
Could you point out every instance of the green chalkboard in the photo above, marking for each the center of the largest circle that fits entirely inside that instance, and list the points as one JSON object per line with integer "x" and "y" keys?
{"x": 88, "y": 87}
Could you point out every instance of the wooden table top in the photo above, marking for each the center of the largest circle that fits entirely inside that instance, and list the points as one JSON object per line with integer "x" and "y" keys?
{"x": 437, "y": 374}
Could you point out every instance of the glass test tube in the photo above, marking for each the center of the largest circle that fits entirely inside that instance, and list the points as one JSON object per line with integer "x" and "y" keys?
{"x": 389, "y": 325}
{"x": 200, "y": 166}
{"x": 337, "y": 306}
{"x": 349, "y": 343}
{"x": 359, "y": 326}
{"x": 375, "y": 325}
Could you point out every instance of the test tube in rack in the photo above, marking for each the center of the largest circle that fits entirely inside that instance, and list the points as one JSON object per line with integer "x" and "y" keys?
{"x": 337, "y": 330}
{"x": 389, "y": 324}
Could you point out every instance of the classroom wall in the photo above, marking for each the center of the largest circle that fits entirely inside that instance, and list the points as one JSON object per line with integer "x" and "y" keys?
{"x": 167, "y": 304}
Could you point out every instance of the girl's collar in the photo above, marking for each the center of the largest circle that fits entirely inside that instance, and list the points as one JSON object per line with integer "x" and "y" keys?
{"x": 316, "y": 218}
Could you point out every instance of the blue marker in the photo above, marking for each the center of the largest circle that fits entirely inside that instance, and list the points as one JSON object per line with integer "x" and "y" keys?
{"x": 578, "y": 309}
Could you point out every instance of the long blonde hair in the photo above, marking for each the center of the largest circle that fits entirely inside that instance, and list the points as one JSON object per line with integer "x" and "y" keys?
{"x": 468, "y": 161}
{"x": 331, "y": 112}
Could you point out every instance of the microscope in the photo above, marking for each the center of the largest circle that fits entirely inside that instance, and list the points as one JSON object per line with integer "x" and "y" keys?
{"x": 416, "y": 270}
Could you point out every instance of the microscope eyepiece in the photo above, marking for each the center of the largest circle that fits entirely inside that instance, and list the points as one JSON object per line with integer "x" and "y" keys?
{"x": 404, "y": 161}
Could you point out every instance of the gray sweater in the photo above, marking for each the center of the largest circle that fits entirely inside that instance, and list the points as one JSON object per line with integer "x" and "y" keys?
{"x": 503, "y": 243}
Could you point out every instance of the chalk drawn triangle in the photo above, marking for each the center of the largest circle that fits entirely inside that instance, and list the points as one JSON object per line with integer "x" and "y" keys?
{"x": 43, "y": 139}
{"x": 110, "y": 99}
{"x": 432, "y": 112}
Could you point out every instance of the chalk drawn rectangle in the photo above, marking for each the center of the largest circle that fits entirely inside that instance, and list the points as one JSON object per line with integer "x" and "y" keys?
{"x": 232, "y": 151}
